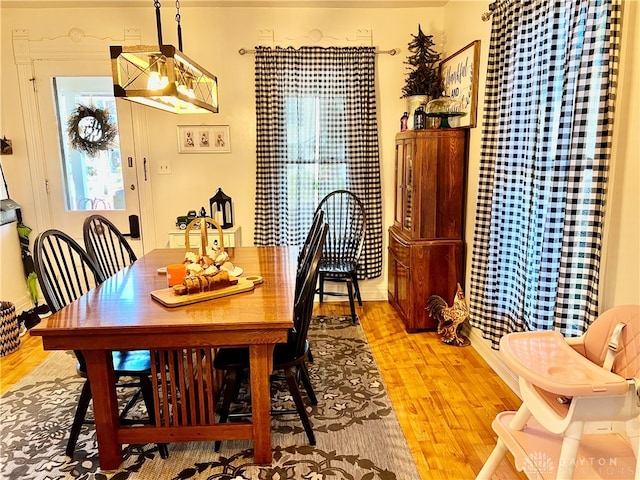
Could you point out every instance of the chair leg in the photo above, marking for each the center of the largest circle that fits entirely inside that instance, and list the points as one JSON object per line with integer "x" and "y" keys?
{"x": 569, "y": 450}
{"x": 357, "y": 287}
{"x": 306, "y": 381}
{"x": 229, "y": 392}
{"x": 297, "y": 398}
{"x": 632, "y": 428}
{"x": 321, "y": 287}
{"x": 132, "y": 401}
{"x": 493, "y": 462}
{"x": 78, "y": 420}
{"x": 241, "y": 375}
{"x": 351, "y": 302}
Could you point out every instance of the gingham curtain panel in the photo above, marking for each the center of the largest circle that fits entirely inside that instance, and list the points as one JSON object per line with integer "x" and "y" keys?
{"x": 544, "y": 160}
{"x": 316, "y": 132}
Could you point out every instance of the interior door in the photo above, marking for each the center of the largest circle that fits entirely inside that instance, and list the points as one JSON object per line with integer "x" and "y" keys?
{"x": 89, "y": 147}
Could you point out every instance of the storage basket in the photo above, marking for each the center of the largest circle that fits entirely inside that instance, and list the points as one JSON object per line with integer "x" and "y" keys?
{"x": 9, "y": 330}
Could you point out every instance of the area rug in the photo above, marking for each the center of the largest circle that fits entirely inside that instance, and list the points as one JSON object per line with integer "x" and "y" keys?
{"x": 357, "y": 432}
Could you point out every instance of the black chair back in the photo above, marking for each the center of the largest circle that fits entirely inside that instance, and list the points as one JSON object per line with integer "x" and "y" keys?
{"x": 316, "y": 234}
{"x": 345, "y": 215}
{"x": 303, "y": 307}
{"x": 106, "y": 245}
{"x": 313, "y": 232}
{"x": 65, "y": 271}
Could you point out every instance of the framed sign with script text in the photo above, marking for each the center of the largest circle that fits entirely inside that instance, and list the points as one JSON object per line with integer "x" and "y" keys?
{"x": 459, "y": 73}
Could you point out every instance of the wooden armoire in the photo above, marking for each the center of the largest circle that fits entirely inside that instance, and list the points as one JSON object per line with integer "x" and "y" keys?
{"x": 426, "y": 243}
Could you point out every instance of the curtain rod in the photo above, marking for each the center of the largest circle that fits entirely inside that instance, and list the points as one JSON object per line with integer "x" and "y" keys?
{"x": 486, "y": 16}
{"x": 392, "y": 52}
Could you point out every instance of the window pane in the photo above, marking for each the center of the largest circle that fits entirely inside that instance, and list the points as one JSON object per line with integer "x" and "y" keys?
{"x": 92, "y": 179}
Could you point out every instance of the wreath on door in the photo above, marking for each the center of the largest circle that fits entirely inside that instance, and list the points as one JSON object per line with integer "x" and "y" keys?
{"x": 91, "y": 130}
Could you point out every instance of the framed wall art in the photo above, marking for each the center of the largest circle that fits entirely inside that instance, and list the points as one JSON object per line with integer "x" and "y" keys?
{"x": 203, "y": 139}
{"x": 460, "y": 73}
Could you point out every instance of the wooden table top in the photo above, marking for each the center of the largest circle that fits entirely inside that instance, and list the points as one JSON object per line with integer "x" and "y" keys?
{"x": 122, "y": 305}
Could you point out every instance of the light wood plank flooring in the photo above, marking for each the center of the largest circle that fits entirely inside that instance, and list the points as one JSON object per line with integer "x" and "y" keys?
{"x": 445, "y": 397}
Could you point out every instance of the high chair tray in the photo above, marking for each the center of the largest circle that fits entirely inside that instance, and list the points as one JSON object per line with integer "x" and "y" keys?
{"x": 546, "y": 360}
{"x": 536, "y": 452}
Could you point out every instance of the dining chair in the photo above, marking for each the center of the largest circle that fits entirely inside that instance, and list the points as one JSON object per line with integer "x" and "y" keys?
{"x": 345, "y": 215}
{"x": 65, "y": 273}
{"x": 313, "y": 236}
{"x": 106, "y": 245}
{"x": 289, "y": 357}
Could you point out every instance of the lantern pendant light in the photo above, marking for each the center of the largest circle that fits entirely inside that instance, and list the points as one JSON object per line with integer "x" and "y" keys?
{"x": 163, "y": 77}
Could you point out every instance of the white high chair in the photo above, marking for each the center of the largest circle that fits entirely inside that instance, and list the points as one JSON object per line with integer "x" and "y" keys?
{"x": 580, "y": 401}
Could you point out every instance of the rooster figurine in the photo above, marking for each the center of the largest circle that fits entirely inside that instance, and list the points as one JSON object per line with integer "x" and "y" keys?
{"x": 450, "y": 319}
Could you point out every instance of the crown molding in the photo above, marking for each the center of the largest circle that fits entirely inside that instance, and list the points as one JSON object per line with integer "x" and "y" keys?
{"x": 226, "y": 3}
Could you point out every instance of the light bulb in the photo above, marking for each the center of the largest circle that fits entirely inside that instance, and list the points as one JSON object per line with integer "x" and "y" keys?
{"x": 154, "y": 82}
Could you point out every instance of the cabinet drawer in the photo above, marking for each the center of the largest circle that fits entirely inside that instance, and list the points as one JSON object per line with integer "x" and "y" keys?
{"x": 399, "y": 250}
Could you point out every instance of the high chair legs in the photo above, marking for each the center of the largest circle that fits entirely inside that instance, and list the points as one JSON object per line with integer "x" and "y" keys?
{"x": 494, "y": 461}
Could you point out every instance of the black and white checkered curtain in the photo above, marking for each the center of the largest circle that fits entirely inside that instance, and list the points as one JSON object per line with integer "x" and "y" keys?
{"x": 316, "y": 132}
{"x": 544, "y": 165}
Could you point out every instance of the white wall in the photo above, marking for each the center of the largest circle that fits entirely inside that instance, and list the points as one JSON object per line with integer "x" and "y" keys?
{"x": 621, "y": 266}
{"x": 213, "y": 35}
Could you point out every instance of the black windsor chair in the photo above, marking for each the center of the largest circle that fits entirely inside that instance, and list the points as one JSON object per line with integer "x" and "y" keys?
{"x": 65, "y": 273}
{"x": 345, "y": 215}
{"x": 290, "y": 356}
{"x": 106, "y": 245}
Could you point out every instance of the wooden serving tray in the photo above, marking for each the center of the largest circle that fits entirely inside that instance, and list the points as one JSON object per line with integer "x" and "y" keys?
{"x": 168, "y": 298}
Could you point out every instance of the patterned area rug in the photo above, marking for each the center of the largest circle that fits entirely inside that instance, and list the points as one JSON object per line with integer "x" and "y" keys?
{"x": 357, "y": 432}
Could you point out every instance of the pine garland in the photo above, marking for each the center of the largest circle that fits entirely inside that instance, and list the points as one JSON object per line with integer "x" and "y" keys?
{"x": 424, "y": 69}
{"x": 93, "y": 135}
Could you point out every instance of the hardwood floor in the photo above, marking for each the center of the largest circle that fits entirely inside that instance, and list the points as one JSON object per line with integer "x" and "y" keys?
{"x": 445, "y": 397}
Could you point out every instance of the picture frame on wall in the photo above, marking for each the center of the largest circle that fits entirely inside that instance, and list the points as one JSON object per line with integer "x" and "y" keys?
{"x": 460, "y": 76}
{"x": 203, "y": 139}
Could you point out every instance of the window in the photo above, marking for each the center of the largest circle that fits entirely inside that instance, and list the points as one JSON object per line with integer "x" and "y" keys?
{"x": 307, "y": 147}
{"x": 316, "y": 133}
{"x": 91, "y": 162}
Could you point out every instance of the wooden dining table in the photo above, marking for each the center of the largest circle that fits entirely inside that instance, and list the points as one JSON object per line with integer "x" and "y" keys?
{"x": 120, "y": 314}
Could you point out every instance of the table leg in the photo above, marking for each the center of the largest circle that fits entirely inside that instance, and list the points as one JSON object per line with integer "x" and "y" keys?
{"x": 105, "y": 407}
{"x": 261, "y": 358}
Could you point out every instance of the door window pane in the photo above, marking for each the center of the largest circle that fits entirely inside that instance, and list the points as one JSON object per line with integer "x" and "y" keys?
{"x": 91, "y": 166}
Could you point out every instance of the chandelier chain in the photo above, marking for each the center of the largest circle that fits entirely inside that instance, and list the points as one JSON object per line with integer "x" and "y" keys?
{"x": 156, "y": 4}
{"x": 179, "y": 26}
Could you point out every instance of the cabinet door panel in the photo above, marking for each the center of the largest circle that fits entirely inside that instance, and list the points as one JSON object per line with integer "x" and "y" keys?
{"x": 399, "y": 178}
{"x": 449, "y": 202}
{"x": 407, "y": 222}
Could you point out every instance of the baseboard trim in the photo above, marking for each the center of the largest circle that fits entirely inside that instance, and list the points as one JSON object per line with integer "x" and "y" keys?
{"x": 369, "y": 291}
{"x": 23, "y": 303}
{"x": 491, "y": 356}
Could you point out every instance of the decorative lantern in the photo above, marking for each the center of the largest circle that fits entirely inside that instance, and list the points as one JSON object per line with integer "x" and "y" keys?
{"x": 221, "y": 209}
